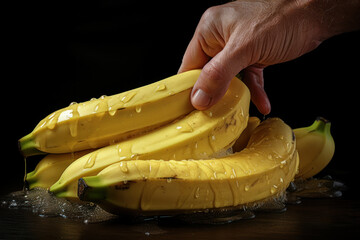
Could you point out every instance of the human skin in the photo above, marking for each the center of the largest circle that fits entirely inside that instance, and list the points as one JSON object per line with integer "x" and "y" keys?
{"x": 249, "y": 35}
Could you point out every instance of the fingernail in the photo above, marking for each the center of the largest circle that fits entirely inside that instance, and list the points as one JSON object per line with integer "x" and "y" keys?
{"x": 200, "y": 99}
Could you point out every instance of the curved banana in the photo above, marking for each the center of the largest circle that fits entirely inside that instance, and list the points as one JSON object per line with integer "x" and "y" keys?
{"x": 263, "y": 169}
{"x": 100, "y": 122}
{"x": 243, "y": 139}
{"x": 50, "y": 168}
{"x": 316, "y": 147}
{"x": 198, "y": 135}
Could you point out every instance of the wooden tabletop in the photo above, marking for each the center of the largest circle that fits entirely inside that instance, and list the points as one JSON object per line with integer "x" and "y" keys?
{"x": 312, "y": 218}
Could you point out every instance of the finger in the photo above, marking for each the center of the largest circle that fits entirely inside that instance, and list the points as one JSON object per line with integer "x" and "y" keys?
{"x": 194, "y": 57}
{"x": 254, "y": 80}
{"x": 215, "y": 78}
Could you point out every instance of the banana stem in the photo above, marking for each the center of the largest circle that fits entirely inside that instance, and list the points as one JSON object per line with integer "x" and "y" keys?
{"x": 320, "y": 125}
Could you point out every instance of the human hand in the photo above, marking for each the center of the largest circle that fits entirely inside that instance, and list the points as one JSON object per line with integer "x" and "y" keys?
{"x": 247, "y": 36}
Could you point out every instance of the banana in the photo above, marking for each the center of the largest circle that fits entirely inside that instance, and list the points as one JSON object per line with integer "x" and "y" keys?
{"x": 243, "y": 140}
{"x": 200, "y": 134}
{"x": 100, "y": 122}
{"x": 146, "y": 187}
{"x": 316, "y": 147}
{"x": 50, "y": 168}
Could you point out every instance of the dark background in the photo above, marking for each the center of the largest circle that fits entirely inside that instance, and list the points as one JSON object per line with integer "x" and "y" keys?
{"x": 58, "y": 52}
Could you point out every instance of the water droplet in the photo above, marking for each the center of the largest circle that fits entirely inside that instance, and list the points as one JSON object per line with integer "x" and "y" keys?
{"x": 270, "y": 157}
{"x": 282, "y": 163}
{"x": 119, "y": 149}
{"x": 93, "y": 99}
{"x": 247, "y": 187}
{"x": 91, "y": 161}
{"x": 281, "y": 180}
{"x": 72, "y": 103}
{"x": 184, "y": 128}
{"x": 123, "y": 167}
{"x": 197, "y": 193}
{"x": 273, "y": 189}
{"x": 168, "y": 180}
{"x": 213, "y": 137}
{"x": 96, "y": 108}
{"x": 171, "y": 93}
{"x": 210, "y": 114}
{"x": 234, "y": 173}
{"x": 103, "y": 96}
{"x": 73, "y": 125}
{"x": 138, "y": 109}
{"x": 112, "y": 111}
{"x": 52, "y": 120}
{"x": 160, "y": 87}
{"x": 128, "y": 97}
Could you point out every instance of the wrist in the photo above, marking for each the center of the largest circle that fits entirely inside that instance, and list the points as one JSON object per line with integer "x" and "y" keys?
{"x": 332, "y": 17}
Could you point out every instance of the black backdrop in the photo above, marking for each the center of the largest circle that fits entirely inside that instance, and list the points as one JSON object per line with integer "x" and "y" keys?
{"x": 58, "y": 52}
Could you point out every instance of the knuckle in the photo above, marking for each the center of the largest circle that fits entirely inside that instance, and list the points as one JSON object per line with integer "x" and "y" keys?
{"x": 210, "y": 13}
{"x": 214, "y": 73}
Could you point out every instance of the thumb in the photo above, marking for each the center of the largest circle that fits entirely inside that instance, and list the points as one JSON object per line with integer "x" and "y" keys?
{"x": 215, "y": 79}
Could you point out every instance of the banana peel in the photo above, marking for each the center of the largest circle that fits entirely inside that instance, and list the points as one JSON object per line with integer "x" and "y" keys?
{"x": 263, "y": 169}
{"x": 106, "y": 120}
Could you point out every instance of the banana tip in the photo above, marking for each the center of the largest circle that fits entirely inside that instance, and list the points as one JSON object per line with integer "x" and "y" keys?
{"x": 87, "y": 192}
{"x": 82, "y": 187}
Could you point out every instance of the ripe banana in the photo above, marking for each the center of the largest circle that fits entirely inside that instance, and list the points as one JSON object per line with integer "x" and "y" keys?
{"x": 50, "y": 168}
{"x": 100, "y": 122}
{"x": 243, "y": 140}
{"x": 200, "y": 134}
{"x": 316, "y": 147}
{"x": 146, "y": 187}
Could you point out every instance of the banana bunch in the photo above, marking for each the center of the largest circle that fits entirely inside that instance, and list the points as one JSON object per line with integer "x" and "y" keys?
{"x": 200, "y": 134}
{"x": 147, "y": 151}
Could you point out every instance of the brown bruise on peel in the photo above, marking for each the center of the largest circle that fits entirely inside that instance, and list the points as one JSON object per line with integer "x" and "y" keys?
{"x": 125, "y": 185}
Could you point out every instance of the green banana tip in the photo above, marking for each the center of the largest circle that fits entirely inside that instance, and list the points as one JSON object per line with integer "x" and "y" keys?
{"x": 28, "y": 147}
{"x": 89, "y": 193}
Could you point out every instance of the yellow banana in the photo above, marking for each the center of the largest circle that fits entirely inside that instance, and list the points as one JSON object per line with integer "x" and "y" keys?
{"x": 316, "y": 147}
{"x": 199, "y": 134}
{"x": 263, "y": 169}
{"x": 100, "y": 122}
{"x": 50, "y": 168}
{"x": 243, "y": 140}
